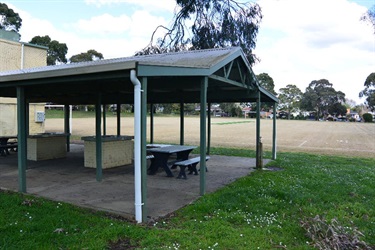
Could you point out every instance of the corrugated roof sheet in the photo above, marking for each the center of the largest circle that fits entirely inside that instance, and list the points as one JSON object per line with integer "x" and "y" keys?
{"x": 190, "y": 59}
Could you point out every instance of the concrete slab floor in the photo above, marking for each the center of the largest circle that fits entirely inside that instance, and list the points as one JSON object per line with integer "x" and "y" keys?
{"x": 67, "y": 180}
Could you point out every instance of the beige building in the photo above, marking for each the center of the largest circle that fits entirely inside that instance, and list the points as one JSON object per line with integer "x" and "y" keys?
{"x": 15, "y": 55}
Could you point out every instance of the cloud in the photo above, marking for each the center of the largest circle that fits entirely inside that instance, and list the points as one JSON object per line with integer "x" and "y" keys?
{"x": 113, "y": 36}
{"x": 321, "y": 23}
{"x": 140, "y": 23}
{"x": 33, "y": 26}
{"x": 105, "y": 24}
{"x": 302, "y": 41}
{"x": 151, "y": 5}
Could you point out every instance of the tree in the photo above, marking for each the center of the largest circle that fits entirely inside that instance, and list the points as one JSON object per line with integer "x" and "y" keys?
{"x": 90, "y": 55}
{"x": 9, "y": 20}
{"x": 320, "y": 96}
{"x": 367, "y": 117}
{"x": 337, "y": 109}
{"x": 215, "y": 24}
{"x": 266, "y": 82}
{"x": 369, "y": 16}
{"x": 232, "y": 109}
{"x": 290, "y": 98}
{"x": 56, "y": 52}
{"x": 170, "y": 108}
{"x": 369, "y": 91}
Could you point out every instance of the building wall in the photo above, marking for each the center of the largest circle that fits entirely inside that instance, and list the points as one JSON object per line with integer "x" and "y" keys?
{"x": 34, "y": 57}
{"x": 11, "y": 54}
{"x": 8, "y": 117}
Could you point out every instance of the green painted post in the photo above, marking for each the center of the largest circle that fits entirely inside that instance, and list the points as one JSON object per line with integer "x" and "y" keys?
{"x": 22, "y": 141}
{"x": 27, "y": 119}
{"x": 274, "y": 140}
{"x": 152, "y": 123}
{"x": 203, "y": 148}
{"x": 182, "y": 123}
{"x": 67, "y": 126}
{"x": 98, "y": 136}
{"x": 258, "y": 133}
{"x": 209, "y": 129}
{"x": 143, "y": 148}
{"x": 118, "y": 114}
{"x": 104, "y": 120}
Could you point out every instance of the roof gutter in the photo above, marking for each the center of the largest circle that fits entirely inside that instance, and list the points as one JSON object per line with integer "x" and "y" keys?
{"x": 137, "y": 146}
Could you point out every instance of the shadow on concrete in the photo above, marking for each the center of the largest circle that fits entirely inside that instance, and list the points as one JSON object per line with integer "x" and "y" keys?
{"x": 67, "y": 180}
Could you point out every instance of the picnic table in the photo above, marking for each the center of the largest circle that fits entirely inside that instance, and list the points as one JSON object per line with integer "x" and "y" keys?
{"x": 162, "y": 155}
{"x": 5, "y": 145}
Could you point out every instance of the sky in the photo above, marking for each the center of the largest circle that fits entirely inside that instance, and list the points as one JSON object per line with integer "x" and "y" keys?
{"x": 298, "y": 41}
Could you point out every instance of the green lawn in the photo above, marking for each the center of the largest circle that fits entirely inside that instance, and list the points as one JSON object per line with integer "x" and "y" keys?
{"x": 265, "y": 210}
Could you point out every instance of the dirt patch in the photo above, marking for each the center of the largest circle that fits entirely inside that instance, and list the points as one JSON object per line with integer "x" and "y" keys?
{"x": 330, "y": 138}
{"x": 121, "y": 244}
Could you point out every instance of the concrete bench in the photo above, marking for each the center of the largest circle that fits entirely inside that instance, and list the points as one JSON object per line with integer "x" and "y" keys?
{"x": 191, "y": 164}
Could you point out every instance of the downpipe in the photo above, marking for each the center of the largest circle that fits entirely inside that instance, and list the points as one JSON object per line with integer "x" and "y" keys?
{"x": 137, "y": 146}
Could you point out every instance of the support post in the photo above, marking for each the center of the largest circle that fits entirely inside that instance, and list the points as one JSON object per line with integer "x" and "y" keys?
{"x": 182, "y": 123}
{"x": 98, "y": 138}
{"x": 104, "y": 119}
{"x": 27, "y": 119}
{"x": 143, "y": 148}
{"x": 152, "y": 123}
{"x": 22, "y": 140}
{"x": 118, "y": 115}
{"x": 209, "y": 129}
{"x": 258, "y": 151}
{"x": 274, "y": 139}
{"x": 67, "y": 126}
{"x": 203, "y": 148}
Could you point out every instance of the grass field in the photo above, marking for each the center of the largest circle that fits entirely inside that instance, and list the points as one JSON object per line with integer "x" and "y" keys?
{"x": 313, "y": 201}
{"x": 323, "y": 199}
{"x": 329, "y": 138}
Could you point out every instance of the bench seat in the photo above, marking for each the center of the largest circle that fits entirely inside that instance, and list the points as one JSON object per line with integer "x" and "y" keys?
{"x": 149, "y": 157}
{"x": 4, "y": 148}
{"x": 191, "y": 164}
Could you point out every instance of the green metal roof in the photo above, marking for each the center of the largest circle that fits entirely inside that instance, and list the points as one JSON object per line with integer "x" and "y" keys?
{"x": 171, "y": 78}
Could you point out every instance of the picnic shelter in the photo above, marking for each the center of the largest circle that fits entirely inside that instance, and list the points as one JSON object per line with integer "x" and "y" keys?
{"x": 201, "y": 76}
